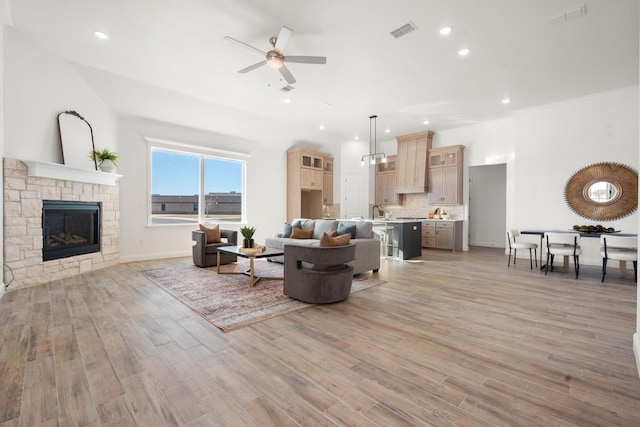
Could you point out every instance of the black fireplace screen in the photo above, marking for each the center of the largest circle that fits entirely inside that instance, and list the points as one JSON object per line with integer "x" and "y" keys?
{"x": 69, "y": 228}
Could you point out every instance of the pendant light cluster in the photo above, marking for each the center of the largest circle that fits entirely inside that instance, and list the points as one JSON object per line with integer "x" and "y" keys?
{"x": 373, "y": 154}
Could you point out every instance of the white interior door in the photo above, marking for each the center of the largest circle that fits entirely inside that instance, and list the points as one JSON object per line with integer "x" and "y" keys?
{"x": 354, "y": 197}
{"x": 488, "y": 205}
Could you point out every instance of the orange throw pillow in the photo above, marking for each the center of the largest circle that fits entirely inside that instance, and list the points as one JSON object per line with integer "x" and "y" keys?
{"x": 327, "y": 240}
{"x": 298, "y": 233}
{"x": 213, "y": 234}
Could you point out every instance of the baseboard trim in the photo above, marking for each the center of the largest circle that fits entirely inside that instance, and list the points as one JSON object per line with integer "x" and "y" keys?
{"x": 636, "y": 350}
{"x": 150, "y": 257}
{"x": 487, "y": 244}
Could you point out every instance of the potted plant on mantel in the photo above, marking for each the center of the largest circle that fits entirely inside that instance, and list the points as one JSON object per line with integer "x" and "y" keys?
{"x": 247, "y": 233}
{"x": 105, "y": 159}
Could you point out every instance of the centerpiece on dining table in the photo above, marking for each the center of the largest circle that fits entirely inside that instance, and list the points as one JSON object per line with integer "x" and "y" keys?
{"x": 594, "y": 229}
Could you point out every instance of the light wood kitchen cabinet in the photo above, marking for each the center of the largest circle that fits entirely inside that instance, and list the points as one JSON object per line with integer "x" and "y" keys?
{"x": 386, "y": 182}
{"x": 412, "y": 162}
{"x": 445, "y": 175}
{"x": 445, "y": 156}
{"x": 305, "y": 183}
{"x": 327, "y": 181}
{"x": 441, "y": 234}
{"x": 311, "y": 179}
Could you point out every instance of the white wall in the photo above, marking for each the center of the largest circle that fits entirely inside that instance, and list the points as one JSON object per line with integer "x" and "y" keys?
{"x": 37, "y": 87}
{"x": 636, "y": 336}
{"x": 3, "y": 22}
{"x": 266, "y": 203}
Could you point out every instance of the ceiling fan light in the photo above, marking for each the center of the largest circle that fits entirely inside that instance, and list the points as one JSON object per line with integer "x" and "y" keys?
{"x": 275, "y": 63}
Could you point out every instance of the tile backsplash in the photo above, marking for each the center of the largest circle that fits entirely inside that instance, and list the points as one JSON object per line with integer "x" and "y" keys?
{"x": 417, "y": 205}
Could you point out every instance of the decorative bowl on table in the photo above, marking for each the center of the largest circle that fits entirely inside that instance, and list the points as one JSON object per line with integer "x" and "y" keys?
{"x": 594, "y": 229}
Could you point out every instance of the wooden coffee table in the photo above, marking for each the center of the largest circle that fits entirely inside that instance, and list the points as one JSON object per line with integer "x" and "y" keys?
{"x": 237, "y": 250}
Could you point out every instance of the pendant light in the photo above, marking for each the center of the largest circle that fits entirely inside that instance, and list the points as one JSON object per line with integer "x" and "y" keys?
{"x": 373, "y": 153}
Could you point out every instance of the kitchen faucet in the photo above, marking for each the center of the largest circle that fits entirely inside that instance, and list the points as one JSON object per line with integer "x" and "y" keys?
{"x": 373, "y": 208}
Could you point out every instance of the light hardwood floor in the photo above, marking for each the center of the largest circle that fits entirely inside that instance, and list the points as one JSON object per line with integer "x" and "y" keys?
{"x": 450, "y": 339}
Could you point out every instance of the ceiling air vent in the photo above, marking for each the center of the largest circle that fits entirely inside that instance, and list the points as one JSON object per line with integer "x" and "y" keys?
{"x": 287, "y": 88}
{"x": 404, "y": 30}
{"x": 569, "y": 15}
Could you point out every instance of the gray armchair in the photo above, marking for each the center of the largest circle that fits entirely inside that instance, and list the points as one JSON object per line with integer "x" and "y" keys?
{"x": 318, "y": 286}
{"x": 205, "y": 254}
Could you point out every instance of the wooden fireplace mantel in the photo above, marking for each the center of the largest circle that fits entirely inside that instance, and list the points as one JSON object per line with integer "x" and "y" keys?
{"x": 41, "y": 169}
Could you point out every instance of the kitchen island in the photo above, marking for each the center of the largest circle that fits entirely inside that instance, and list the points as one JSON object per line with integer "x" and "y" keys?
{"x": 403, "y": 237}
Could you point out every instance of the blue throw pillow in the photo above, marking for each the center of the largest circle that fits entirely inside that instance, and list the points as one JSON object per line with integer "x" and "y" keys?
{"x": 343, "y": 229}
{"x": 289, "y": 227}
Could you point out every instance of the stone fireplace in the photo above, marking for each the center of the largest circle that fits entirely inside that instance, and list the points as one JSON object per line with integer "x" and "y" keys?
{"x": 26, "y": 186}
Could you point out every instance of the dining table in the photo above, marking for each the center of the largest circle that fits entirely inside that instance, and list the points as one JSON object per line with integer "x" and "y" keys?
{"x": 587, "y": 234}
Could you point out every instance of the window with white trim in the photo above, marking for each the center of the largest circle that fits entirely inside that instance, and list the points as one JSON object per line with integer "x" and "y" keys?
{"x": 191, "y": 187}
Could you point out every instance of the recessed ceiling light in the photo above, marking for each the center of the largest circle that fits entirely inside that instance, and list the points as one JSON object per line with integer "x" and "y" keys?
{"x": 445, "y": 31}
{"x": 506, "y": 101}
{"x": 321, "y": 127}
{"x": 287, "y": 101}
{"x": 426, "y": 122}
{"x": 356, "y": 137}
{"x": 101, "y": 35}
{"x": 464, "y": 52}
{"x": 387, "y": 130}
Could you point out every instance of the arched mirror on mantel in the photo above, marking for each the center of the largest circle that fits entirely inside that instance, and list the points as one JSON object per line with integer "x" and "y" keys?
{"x": 603, "y": 191}
{"x": 76, "y": 139}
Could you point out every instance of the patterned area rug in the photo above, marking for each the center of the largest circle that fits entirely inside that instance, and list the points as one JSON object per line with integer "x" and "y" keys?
{"x": 227, "y": 301}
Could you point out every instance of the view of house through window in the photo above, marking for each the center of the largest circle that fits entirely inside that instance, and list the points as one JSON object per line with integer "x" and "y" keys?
{"x": 176, "y": 182}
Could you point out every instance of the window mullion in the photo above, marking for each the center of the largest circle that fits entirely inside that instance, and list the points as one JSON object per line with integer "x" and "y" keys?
{"x": 201, "y": 198}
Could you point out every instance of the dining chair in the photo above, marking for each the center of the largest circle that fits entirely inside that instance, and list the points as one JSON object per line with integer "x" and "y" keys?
{"x": 563, "y": 244}
{"x": 621, "y": 248}
{"x": 515, "y": 245}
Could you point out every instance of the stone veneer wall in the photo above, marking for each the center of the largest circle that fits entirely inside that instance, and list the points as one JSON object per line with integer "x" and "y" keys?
{"x": 23, "y": 197}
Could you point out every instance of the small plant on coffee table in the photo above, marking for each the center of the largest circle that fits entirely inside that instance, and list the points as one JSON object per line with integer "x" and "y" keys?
{"x": 247, "y": 233}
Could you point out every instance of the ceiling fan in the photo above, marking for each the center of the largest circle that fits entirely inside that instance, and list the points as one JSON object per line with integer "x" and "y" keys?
{"x": 275, "y": 58}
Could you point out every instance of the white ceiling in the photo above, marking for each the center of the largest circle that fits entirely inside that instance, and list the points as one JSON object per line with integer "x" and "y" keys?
{"x": 176, "y": 49}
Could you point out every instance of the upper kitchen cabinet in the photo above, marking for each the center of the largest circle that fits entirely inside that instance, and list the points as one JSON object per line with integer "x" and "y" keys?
{"x": 412, "y": 162}
{"x": 445, "y": 175}
{"x": 386, "y": 182}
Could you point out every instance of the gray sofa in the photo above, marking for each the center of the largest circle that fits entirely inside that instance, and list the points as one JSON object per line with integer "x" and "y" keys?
{"x": 367, "y": 255}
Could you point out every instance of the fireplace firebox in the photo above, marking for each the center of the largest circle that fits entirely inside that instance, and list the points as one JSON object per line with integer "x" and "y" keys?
{"x": 69, "y": 228}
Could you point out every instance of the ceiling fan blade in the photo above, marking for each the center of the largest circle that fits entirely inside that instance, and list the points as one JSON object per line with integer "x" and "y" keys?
{"x": 243, "y": 44}
{"x": 283, "y": 39}
{"x": 307, "y": 59}
{"x": 252, "y": 67}
{"x": 287, "y": 75}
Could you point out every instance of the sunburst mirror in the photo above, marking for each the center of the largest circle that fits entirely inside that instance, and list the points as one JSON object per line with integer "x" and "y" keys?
{"x": 603, "y": 191}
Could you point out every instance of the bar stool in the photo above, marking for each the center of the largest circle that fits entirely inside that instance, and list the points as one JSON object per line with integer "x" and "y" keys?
{"x": 387, "y": 239}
